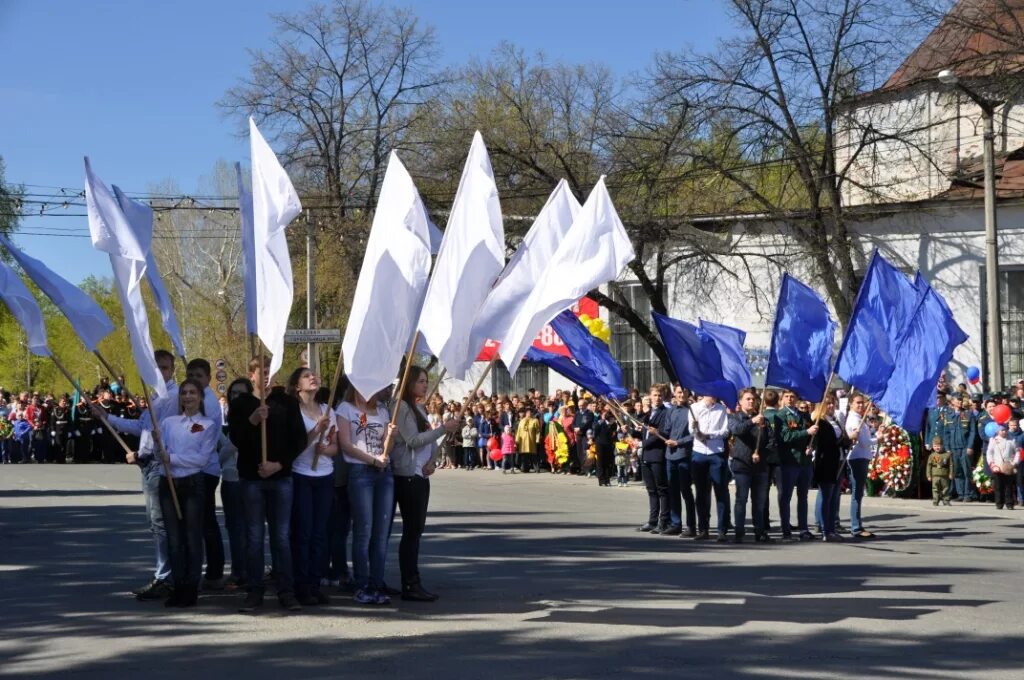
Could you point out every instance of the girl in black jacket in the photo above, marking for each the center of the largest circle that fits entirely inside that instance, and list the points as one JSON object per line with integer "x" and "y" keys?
{"x": 748, "y": 464}
{"x": 828, "y": 444}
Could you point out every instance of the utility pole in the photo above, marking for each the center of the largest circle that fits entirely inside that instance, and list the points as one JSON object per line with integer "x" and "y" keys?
{"x": 312, "y": 349}
{"x": 993, "y": 312}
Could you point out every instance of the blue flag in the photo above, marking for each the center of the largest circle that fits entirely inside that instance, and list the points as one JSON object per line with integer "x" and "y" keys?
{"x": 576, "y": 373}
{"x": 729, "y": 341}
{"x": 881, "y": 316}
{"x": 800, "y": 358}
{"x": 923, "y": 353}
{"x": 695, "y": 358}
{"x": 590, "y": 353}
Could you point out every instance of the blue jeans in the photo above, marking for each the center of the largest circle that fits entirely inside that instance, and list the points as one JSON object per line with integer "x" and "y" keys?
{"x": 962, "y": 476}
{"x": 710, "y": 471}
{"x": 268, "y": 502}
{"x": 790, "y": 478}
{"x": 338, "y": 529}
{"x": 311, "y": 510}
{"x": 151, "y": 492}
{"x": 826, "y": 508}
{"x": 371, "y": 494}
{"x": 754, "y": 485}
{"x": 234, "y": 521}
{"x": 680, "y": 493}
{"x": 858, "y": 478}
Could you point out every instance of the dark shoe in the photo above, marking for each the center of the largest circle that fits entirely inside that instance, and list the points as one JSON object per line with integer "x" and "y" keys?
{"x": 999, "y": 507}
{"x": 175, "y": 600}
{"x": 660, "y": 529}
{"x": 764, "y": 538}
{"x": 832, "y": 538}
{"x": 253, "y": 601}
{"x": 687, "y": 533}
{"x": 840, "y": 529}
{"x": 721, "y": 538}
{"x": 646, "y": 527}
{"x": 388, "y": 590}
{"x": 736, "y": 539}
{"x": 189, "y": 596}
{"x": 156, "y": 590}
{"x": 306, "y": 600}
{"x": 672, "y": 531}
{"x": 322, "y": 598}
{"x": 414, "y": 592}
{"x": 702, "y": 536}
{"x": 806, "y": 536}
{"x": 213, "y": 584}
{"x": 289, "y": 602}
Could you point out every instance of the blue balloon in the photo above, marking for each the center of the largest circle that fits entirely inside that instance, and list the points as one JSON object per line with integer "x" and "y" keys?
{"x": 991, "y": 429}
{"x": 973, "y": 373}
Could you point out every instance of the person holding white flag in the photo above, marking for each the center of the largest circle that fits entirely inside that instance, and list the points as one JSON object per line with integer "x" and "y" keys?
{"x": 524, "y": 269}
{"x": 274, "y": 205}
{"x": 269, "y": 431}
{"x": 471, "y": 258}
{"x": 593, "y": 252}
{"x": 391, "y": 285}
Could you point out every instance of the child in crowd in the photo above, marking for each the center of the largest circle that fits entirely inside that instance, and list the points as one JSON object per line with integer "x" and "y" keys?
{"x": 508, "y": 450}
{"x": 939, "y": 471}
{"x": 622, "y": 459}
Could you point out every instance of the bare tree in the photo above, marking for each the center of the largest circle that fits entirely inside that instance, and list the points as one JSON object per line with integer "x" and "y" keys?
{"x": 779, "y": 93}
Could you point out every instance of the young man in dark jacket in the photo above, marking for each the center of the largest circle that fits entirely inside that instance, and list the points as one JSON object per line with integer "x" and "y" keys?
{"x": 749, "y": 465}
{"x": 677, "y": 462}
{"x": 655, "y": 434}
{"x": 267, "y": 487}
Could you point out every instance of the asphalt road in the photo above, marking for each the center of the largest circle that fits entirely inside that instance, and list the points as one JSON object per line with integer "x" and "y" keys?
{"x": 540, "y": 576}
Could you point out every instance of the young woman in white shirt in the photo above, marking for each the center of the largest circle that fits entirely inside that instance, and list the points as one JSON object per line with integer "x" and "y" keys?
{"x": 312, "y": 489}
{"x": 362, "y": 427}
{"x": 190, "y": 440}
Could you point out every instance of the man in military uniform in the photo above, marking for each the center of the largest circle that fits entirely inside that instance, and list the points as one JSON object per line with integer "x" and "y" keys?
{"x": 958, "y": 436}
{"x": 937, "y": 418}
{"x": 939, "y": 470}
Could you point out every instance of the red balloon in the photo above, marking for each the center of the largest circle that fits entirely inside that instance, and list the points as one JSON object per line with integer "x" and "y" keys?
{"x": 495, "y": 455}
{"x": 1001, "y": 414}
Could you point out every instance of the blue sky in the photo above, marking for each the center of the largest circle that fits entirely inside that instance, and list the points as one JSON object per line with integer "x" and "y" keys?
{"x": 132, "y": 84}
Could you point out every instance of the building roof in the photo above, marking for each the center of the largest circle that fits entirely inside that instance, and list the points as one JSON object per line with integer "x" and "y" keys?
{"x": 971, "y": 40}
{"x": 970, "y": 181}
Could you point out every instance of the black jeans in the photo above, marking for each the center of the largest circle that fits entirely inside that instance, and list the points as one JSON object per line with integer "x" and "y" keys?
{"x": 656, "y": 480}
{"x": 605, "y": 464}
{"x": 338, "y": 529}
{"x": 1003, "y": 487}
{"x": 412, "y": 495}
{"x": 185, "y": 535}
{"x": 754, "y": 485}
{"x": 212, "y": 538}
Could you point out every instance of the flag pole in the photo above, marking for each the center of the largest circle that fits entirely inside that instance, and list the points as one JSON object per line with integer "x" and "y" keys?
{"x": 263, "y": 401}
{"x": 437, "y": 385}
{"x": 330, "y": 407}
{"x": 401, "y": 389}
{"x": 163, "y": 454}
{"x": 760, "y": 430}
{"x": 816, "y": 415}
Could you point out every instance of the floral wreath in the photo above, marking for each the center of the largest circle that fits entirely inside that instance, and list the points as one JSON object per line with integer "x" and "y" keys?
{"x": 981, "y": 477}
{"x": 893, "y": 465}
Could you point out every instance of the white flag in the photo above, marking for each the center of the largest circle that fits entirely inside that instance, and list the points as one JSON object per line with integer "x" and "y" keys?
{"x": 87, "y": 318}
{"x": 593, "y": 252}
{"x": 113, "y": 234}
{"x": 391, "y": 284}
{"x": 274, "y": 205}
{"x": 140, "y": 217}
{"x": 471, "y": 258}
{"x": 524, "y": 269}
{"x": 24, "y": 308}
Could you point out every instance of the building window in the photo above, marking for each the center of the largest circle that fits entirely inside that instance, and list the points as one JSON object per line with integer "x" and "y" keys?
{"x": 640, "y": 367}
{"x": 1011, "y": 311}
{"x": 530, "y": 375}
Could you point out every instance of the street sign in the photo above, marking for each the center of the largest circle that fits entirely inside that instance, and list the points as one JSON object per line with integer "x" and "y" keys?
{"x": 302, "y": 336}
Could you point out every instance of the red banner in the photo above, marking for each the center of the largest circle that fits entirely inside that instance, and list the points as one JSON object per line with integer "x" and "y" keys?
{"x": 547, "y": 339}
